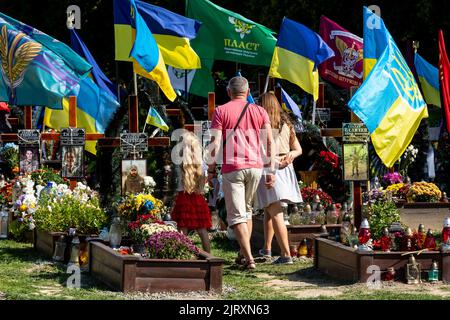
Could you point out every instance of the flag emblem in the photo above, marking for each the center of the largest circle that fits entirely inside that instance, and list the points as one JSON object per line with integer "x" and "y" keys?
{"x": 241, "y": 27}
{"x": 16, "y": 58}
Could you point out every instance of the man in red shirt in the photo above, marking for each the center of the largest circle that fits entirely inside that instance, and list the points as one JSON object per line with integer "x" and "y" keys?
{"x": 246, "y": 154}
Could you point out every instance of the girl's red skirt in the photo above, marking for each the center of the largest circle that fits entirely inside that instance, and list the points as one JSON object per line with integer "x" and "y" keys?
{"x": 191, "y": 211}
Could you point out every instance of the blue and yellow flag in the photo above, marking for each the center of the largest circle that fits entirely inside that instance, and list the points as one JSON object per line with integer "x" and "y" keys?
{"x": 154, "y": 119}
{"x": 36, "y": 69}
{"x": 145, "y": 54}
{"x": 390, "y": 104}
{"x": 429, "y": 80}
{"x": 96, "y": 104}
{"x": 375, "y": 36}
{"x": 289, "y": 105}
{"x": 97, "y": 74}
{"x": 298, "y": 52}
{"x": 172, "y": 33}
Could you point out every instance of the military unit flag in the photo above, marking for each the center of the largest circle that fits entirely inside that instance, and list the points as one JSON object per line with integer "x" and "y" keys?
{"x": 345, "y": 69}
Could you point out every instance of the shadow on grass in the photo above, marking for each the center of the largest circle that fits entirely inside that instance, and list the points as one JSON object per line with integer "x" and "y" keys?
{"x": 61, "y": 276}
{"x": 27, "y": 254}
{"x": 312, "y": 276}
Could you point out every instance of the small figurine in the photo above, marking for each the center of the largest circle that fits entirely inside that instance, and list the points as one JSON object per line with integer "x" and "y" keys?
{"x": 430, "y": 243}
{"x": 421, "y": 235}
{"x": 346, "y": 229}
{"x": 433, "y": 273}
{"x": 446, "y": 235}
{"x": 303, "y": 249}
{"x": 412, "y": 271}
{"x": 364, "y": 236}
{"x": 389, "y": 275}
{"x": 385, "y": 240}
{"x": 444, "y": 197}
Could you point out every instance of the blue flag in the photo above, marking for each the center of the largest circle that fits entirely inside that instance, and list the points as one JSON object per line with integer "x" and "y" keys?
{"x": 96, "y": 102}
{"x": 36, "y": 69}
{"x": 289, "y": 104}
{"x": 389, "y": 103}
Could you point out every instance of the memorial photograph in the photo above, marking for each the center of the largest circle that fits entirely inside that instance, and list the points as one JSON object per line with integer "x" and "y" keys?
{"x": 133, "y": 173}
{"x": 29, "y": 159}
{"x": 72, "y": 161}
{"x": 356, "y": 162}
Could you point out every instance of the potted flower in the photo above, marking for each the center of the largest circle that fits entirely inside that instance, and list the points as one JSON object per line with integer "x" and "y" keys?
{"x": 171, "y": 245}
{"x": 144, "y": 226}
{"x": 423, "y": 192}
{"x": 61, "y": 209}
{"x": 392, "y": 178}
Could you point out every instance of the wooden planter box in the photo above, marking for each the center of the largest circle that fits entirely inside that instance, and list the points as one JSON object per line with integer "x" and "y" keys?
{"x": 44, "y": 242}
{"x": 348, "y": 264}
{"x": 133, "y": 273}
{"x": 431, "y": 214}
{"x": 296, "y": 233}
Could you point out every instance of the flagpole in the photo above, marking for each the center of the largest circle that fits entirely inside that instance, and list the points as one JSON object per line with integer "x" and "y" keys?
{"x": 266, "y": 85}
{"x": 314, "y": 112}
{"x": 185, "y": 84}
{"x": 135, "y": 83}
{"x": 118, "y": 82}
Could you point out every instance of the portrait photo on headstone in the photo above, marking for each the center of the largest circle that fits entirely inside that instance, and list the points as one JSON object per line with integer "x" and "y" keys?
{"x": 356, "y": 161}
{"x": 133, "y": 173}
{"x": 72, "y": 161}
{"x": 29, "y": 158}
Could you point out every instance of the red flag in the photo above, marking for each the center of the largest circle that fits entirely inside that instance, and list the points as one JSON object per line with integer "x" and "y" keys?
{"x": 345, "y": 68}
{"x": 444, "y": 79}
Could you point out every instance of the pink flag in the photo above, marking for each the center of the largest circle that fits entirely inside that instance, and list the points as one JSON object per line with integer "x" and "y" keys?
{"x": 345, "y": 69}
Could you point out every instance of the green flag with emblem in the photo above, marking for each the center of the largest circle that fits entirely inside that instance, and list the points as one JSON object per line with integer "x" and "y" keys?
{"x": 226, "y": 35}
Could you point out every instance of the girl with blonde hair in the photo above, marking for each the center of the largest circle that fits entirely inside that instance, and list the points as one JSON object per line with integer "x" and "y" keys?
{"x": 286, "y": 188}
{"x": 191, "y": 212}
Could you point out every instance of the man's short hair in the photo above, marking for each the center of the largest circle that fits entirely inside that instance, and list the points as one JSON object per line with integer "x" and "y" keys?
{"x": 237, "y": 85}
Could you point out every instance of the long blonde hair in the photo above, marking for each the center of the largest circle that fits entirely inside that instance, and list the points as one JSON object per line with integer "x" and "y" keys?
{"x": 277, "y": 116}
{"x": 192, "y": 164}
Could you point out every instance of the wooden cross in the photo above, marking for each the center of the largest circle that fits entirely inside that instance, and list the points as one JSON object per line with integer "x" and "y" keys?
{"x": 133, "y": 127}
{"x": 102, "y": 140}
{"x": 337, "y": 133}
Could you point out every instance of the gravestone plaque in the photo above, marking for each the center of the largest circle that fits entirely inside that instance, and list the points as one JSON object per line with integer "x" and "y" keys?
{"x": 133, "y": 142}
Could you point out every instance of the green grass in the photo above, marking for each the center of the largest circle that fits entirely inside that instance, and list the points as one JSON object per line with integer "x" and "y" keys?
{"x": 25, "y": 274}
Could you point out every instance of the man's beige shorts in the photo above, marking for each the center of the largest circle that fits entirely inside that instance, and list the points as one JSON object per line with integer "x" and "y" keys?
{"x": 239, "y": 188}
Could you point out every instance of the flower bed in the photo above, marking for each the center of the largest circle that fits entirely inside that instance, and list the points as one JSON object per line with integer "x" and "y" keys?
{"x": 348, "y": 264}
{"x": 136, "y": 273}
{"x": 296, "y": 233}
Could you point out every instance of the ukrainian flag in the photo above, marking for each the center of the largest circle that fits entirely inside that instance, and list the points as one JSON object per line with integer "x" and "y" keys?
{"x": 172, "y": 33}
{"x": 429, "y": 80}
{"x": 288, "y": 104}
{"x": 145, "y": 54}
{"x": 96, "y": 102}
{"x": 375, "y": 37}
{"x": 390, "y": 104}
{"x": 154, "y": 119}
{"x": 298, "y": 52}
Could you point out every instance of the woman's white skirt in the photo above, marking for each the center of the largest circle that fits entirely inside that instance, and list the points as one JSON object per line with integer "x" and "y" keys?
{"x": 285, "y": 189}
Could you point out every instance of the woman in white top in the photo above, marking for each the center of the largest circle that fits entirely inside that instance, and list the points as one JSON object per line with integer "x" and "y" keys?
{"x": 286, "y": 187}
